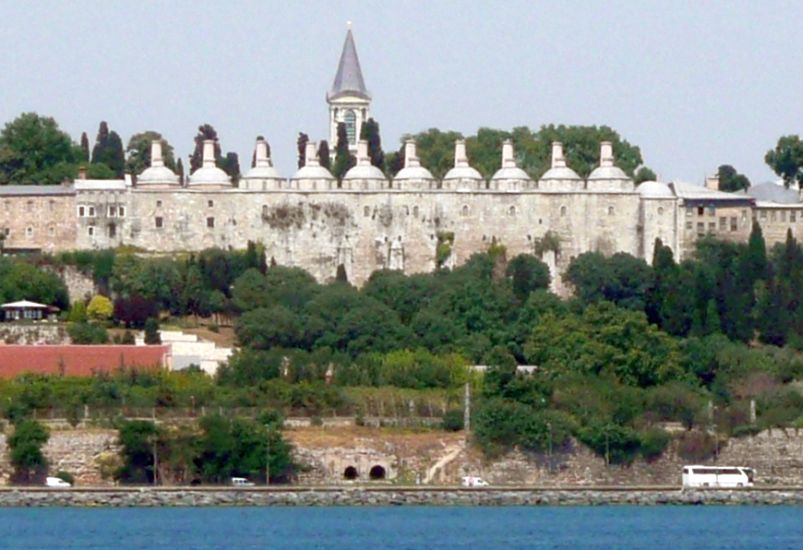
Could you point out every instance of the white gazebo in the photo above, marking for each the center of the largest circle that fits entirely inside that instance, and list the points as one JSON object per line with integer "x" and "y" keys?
{"x": 25, "y": 310}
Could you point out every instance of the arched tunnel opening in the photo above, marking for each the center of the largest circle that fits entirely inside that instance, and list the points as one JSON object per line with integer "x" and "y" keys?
{"x": 351, "y": 473}
{"x": 377, "y": 472}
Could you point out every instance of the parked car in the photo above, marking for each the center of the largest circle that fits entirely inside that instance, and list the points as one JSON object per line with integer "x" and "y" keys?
{"x": 473, "y": 481}
{"x": 56, "y": 482}
{"x": 241, "y": 482}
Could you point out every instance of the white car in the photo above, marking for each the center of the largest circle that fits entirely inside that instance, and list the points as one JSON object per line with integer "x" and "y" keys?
{"x": 473, "y": 481}
{"x": 241, "y": 482}
{"x": 56, "y": 482}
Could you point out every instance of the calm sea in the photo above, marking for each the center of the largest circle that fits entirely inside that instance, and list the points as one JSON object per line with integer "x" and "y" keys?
{"x": 405, "y": 527}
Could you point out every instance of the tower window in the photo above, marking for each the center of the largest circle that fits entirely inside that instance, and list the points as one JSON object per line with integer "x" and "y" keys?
{"x": 158, "y": 222}
{"x": 29, "y": 232}
{"x": 210, "y": 222}
{"x": 350, "y": 119}
{"x": 562, "y": 211}
{"x": 210, "y": 204}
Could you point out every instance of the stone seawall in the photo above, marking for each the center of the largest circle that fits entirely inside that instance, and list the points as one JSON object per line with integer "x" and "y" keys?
{"x": 387, "y": 496}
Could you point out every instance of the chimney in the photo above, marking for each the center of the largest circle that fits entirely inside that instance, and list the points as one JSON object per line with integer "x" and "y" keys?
{"x": 557, "y": 155}
{"x": 262, "y": 160}
{"x": 712, "y": 182}
{"x": 82, "y": 172}
{"x": 606, "y": 153}
{"x": 460, "y": 157}
{"x": 156, "y": 154}
{"x": 311, "y": 154}
{"x": 410, "y": 155}
{"x": 362, "y": 153}
{"x": 508, "y": 158}
{"x": 209, "y": 153}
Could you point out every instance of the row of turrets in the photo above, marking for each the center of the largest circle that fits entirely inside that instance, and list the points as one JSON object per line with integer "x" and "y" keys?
{"x": 364, "y": 176}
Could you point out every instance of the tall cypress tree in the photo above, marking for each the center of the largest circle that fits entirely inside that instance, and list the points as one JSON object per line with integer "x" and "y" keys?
{"x": 84, "y": 147}
{"x": 370, "y": 133}
{"x": 323, "y": 155}
{"x": 756, "y": 261}
{"x": 180, "y": 170}
{"x": 205, "y": 132}
{"x": 101, "y": 142}
{"x": 343, "y": 158}
{"x": 301, "y": 145}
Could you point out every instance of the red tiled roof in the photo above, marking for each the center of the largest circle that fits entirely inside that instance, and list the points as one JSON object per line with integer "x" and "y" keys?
{"x": 79, "y": 360}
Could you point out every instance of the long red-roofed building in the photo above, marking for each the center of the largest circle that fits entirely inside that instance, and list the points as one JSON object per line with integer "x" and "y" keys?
{"x": 80, "y": 360}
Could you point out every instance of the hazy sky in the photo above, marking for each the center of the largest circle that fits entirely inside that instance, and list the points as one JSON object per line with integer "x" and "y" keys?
{"x": 695, "y": 84}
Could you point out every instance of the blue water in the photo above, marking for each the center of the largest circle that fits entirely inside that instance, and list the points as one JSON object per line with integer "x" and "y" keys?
{"x": 406, "y": 527}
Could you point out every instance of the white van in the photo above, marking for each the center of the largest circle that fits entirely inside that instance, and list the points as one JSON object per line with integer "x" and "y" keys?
{"x": 56, "y": 482}
{"x": 241, "y": 482}
{"x": 473, "y": 481}
{"x": 718, "y": 476}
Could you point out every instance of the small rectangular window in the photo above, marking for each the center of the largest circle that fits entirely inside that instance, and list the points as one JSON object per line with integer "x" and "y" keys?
{"x": 121, "y": 211}
{"x": 689, "y": 226}
{"x": 112, "y": 211}
{"x": 210, "y": 222}
{"x": 91, "y": 211}
{"x": 763, "y": 215}
{"x": 210, "y": 204}
{"x": 158, "y": 204}
{"x": 158, "y": 221}
{"x": 712, "y": 227}
{"x": 734, "y": 224}
{"x": 81, "y": 211}
{"x": 783, "y": 215}
{"x": 700, "y": 210}
{"x": 689, "y": 211}
{"x": 723, "y": 223}
{"x": 792, "y": 216}
{"x": 29, "y": 206}
{"x": 712, "y": 211}
{"x": 772, "y": 215}
{"x": 90, "y": 230}
{"x": 700, "y": 229}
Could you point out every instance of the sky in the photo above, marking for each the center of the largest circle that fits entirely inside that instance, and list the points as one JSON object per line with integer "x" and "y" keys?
{"x": 694, "y": 84}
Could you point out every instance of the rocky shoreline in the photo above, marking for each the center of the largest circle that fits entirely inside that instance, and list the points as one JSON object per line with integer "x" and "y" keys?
{"x": 386, "y": 496}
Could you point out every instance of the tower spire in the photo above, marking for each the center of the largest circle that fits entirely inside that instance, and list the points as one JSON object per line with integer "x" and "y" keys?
{"x": 348, "y": 79}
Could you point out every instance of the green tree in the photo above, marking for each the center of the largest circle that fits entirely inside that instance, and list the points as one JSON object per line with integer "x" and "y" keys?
{"x": 138, "y": 439}
{"x": 152, "y": 336}
{"x": 108, "y": 150}
{"x": 34, "y": 150}
{"x": 528, "y": 274}
{"x": 100, "y": 308}
{"x": 731, "y": 180}
{"x": 644, "y": 174}
{"x": 265, "y": 328}
{"x": 87, "y": 333}
{"x": 138, "y": 152}
{"x": 786, "y": 160}
{"x": 622, "y": 279}
{"x": 205, "y": 132}
{"x": 84, "y": 147}
{"x": 25, "y": 445}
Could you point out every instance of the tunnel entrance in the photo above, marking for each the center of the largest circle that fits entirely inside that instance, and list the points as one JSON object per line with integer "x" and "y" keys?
{"x": 351, "y": 473}
{"x": 377, "y": 472}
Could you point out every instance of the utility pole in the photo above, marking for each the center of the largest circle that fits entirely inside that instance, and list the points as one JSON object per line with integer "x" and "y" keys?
{"x": 267, "y": 458}
{"x": 467, "y": 409}
{"x": 155, "y": 460}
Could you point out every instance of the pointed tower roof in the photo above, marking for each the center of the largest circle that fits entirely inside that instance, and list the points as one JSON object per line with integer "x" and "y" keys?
{"x": 348, "y": 80}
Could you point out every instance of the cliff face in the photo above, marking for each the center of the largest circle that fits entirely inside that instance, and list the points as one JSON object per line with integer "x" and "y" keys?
{"x": 356, "y": 454}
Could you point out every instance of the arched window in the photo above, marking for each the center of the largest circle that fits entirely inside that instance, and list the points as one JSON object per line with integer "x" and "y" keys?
{"x": 512, "y": 211}
{"x": 350, "y": 119}
{"x": 610, "y": 210}
{"x": 29, "y": 232}
{"x": 465, "y": 210}
{"x": 562, "y": 211}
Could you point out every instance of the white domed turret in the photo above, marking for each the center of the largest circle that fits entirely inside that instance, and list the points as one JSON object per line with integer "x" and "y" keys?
{"x": 209, "y": 175}
{"x": 462, "y": 177}
{"x": 263, "y": 176}
{"x": 157, "y": 174}
{"x": 312, "y": 176}
{"x": 510, "y": 177}
{"x": 607, "y": 176}
{"x": 655, "y": 190}
{"x": 413, "y": 176}
{"x": 560, "y": 177}
{"x": 364, "y": 176}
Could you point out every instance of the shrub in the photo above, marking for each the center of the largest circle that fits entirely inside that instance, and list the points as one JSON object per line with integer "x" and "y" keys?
{"x": 87, "y": 333}
{"x": 452, "y": 421}
{"x": 695, "y": 446}
{"x": 618, "y": 444}
{"x": 100, "y": 308}
{"x": 653, "y": 442}
{"x": 152, "y": 336}
{"x": 30, "y": 464}
{"x": 66, "y": 476}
